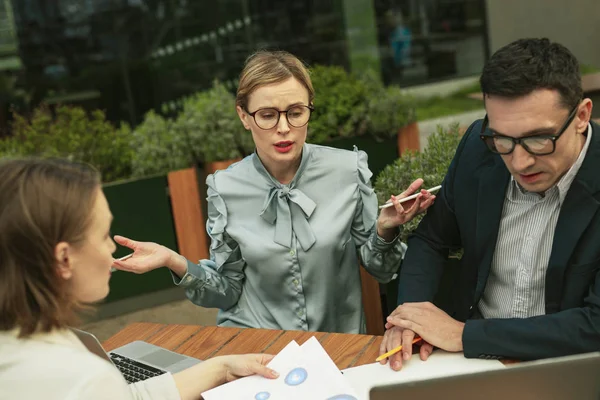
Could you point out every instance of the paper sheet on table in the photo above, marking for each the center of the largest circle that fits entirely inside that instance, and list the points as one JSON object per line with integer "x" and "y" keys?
{"x": 439, "y": 364}
{"x": 306, "y": 372}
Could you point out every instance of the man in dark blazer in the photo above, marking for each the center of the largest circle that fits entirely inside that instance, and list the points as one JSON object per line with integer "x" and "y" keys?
{"x": 521, "y": 198}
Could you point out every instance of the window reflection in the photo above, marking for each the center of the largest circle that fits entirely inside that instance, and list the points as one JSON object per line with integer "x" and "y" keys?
{"x": 428, "y": 40}
{"x": 130, "y": 56}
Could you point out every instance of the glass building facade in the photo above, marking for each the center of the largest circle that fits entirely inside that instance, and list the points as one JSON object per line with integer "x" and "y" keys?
{"x": 129, "y": 56}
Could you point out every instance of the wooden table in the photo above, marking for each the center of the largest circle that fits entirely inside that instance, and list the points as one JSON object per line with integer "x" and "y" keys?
{"x": 202, "y": 342}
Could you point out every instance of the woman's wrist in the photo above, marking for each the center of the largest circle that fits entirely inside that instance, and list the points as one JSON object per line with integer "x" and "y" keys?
{"x": 387, "y": 234}
{"x": 178, "y": 264}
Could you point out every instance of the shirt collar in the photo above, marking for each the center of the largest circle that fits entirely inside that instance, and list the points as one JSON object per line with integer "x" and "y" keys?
{"x": 565, "y": 182}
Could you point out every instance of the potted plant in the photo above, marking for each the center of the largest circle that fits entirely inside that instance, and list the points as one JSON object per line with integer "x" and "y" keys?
{"x": 340, "y": 105}
{"x": 431, "y": 165}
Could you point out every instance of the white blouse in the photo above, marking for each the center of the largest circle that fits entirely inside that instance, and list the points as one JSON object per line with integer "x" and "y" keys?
{"x": 57, "y": 366}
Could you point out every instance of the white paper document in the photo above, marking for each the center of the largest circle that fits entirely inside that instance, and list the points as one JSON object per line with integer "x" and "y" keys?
{"x": 439, "y": 364}
{"x": 306, "y": 372}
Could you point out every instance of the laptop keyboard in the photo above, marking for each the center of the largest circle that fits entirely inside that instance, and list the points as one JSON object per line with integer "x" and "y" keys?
{"x": 134, "y": 371}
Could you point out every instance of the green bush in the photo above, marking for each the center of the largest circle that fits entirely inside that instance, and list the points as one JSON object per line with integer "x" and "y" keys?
{"x": 212, "y": 127}
{"x": 389, "y": 109}
{"x": 207, "y": 129}
{"x": 340, "y": 104}
{"x": 347, "y": 105}
{"x": 158, "y": 148}
{"x": 72, "y": 133}
{"x": 431, "y": 165}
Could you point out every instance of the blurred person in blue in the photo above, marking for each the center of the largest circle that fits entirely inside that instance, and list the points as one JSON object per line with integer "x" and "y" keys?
{"x": 55, "y": 259}
{"x": 286, "y": 223}
{"x": 400, "y": 39}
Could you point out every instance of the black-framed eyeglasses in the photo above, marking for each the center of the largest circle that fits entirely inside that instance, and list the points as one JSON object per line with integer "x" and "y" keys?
{"x": 538, "y": 145}
{"x": 268, "y": 118}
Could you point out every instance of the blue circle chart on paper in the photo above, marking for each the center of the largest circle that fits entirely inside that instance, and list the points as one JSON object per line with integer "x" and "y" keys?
{"x": 342, "y": 397}
{"x": 262, "y": 395}
{"x": 296, "y": 376}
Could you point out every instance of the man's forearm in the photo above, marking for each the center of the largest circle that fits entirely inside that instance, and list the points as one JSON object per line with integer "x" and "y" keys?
{"x": 568, "y": 332}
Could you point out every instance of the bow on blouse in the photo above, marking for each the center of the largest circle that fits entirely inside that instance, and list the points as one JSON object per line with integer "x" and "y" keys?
{"x": 289, "y": 210}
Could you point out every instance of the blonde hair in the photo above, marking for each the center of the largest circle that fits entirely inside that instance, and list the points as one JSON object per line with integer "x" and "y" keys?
{"x": 42, "y": 202}
{"x": 268, "y": 67}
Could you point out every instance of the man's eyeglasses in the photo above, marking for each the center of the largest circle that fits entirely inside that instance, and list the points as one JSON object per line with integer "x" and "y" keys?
{"x": 268, "y": 118}
{"x": 539, "y": 145}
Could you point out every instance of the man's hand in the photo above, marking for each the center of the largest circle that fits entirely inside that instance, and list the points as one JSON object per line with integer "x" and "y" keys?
{"x": 397, "y": 336}
{"x": 429, "y": 322}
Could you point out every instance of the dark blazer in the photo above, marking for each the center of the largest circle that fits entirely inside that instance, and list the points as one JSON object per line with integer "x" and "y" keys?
{"x": 467, "y": 215}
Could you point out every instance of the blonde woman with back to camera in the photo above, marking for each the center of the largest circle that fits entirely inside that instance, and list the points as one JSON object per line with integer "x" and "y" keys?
{"x": 55, "y": 256}
{"x": 286, "y": 223}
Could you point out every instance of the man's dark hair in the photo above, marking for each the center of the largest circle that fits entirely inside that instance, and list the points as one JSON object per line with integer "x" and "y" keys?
{"x": 525, "y": 65}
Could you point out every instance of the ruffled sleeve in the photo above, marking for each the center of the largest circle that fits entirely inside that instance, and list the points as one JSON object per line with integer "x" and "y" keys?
{"x": 368, "y": 197}
{"x": 220, "y": 248}
{"x": 216, "y": 282}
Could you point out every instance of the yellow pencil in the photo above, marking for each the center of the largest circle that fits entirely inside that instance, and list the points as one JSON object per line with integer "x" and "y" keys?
{"x": 394, "y": 351}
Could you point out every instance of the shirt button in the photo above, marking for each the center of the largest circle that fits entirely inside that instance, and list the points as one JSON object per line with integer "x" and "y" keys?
{"x": 296, "y": 282}
{"x": 301, "y": 313}
{"x": 292, "y": 253}
{"x": 188, "y": 279}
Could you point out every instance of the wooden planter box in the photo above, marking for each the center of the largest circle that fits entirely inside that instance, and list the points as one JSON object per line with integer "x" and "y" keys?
{"x": 408, "y": 138}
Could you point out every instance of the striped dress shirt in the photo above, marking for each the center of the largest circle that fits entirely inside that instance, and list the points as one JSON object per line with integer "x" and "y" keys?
{"x": 517, "y": 280}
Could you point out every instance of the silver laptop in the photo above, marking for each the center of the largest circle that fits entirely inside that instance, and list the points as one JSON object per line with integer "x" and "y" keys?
{"x": 572, "y": 377}
{"x": 138, "y": 360}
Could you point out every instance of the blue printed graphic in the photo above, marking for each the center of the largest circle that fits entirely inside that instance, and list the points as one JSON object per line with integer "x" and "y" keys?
{"x": 262, "y": 395}
{"x": 296, "y": 376}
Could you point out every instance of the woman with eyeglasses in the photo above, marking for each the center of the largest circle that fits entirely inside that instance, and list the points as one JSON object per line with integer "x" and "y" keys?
{"x": 286, "y": 223}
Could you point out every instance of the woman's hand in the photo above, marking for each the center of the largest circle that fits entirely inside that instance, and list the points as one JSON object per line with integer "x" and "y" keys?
{"x": 392, "y": 217}
{"x": 192, "y": 382}
{"x": 238, "y": 366}
{"x": 148, "y": 256}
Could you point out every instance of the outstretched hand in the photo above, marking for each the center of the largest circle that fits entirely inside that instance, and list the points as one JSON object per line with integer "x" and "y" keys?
{"x": 147, "y": 256}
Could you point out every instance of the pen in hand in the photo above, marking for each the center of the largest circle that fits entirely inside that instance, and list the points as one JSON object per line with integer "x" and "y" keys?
{"x": 113, "y": 269}
{"x": 411, "y": 197}
{"x": 395, "y": 350}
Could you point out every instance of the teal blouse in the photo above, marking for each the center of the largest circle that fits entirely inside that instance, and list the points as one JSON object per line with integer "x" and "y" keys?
{"x": 285, "y": 256}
